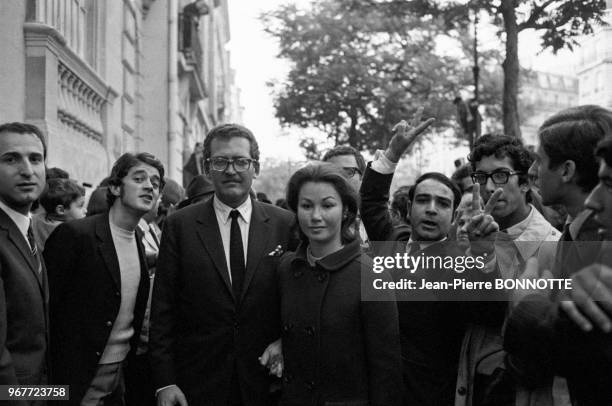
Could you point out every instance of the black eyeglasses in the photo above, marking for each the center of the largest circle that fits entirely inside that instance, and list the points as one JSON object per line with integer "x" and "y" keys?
{"x": 498, "y": 177}
{"x": 350, "y": 171}
{"x": 220, "y": 163}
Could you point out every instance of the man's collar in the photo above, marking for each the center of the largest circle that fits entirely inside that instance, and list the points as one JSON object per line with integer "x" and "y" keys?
{"x": 519, "y": 227}
{"x": 21, "y": 220}
{"x": 577, "y": 222}
{"x": 245, "y": 209}
{"x": 425, "y": 244}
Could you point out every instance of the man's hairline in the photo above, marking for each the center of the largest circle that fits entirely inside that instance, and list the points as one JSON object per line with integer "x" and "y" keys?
{"x": 42, "y": 144}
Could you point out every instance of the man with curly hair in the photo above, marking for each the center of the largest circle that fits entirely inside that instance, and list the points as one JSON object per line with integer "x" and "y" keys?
{"x": 502, "y": 162}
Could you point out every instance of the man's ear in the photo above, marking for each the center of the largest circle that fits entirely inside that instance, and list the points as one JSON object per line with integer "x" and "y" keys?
{"x": 115, "y": 190}
{"x": 568, "y": 170}
{"x": 60, "y": 210}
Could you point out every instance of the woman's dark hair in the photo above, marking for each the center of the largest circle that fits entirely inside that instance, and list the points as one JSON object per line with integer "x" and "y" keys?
{"x": 326, "y": 173}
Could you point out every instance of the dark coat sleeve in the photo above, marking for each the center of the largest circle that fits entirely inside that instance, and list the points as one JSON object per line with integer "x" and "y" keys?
{"x": 7, "y": 370}
{"x": 374, "y": 195}
{"x": 61, "y": 251}
{"x": 383, "y": 351}
{"x": 542, "y": 341}
{"x": 163, "y": 308}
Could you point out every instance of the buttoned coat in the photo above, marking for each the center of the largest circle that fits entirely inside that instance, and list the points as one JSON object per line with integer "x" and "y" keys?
{"x": 200, "y": 332}
{"x": 23, "y": 310}
{"x": 85, "y": 296}
{"x": 340, "y": 346}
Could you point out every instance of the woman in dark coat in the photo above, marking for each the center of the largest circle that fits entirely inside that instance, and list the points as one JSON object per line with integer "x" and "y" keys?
{"x": 339, "y": 348}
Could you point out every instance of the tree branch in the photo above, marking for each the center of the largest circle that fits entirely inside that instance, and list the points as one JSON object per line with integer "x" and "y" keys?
{"x": 535, "y": 14}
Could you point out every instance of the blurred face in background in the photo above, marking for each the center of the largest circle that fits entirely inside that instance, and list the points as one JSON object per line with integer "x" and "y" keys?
{"x": 463, "y": 216}
{"x": 349, "y": 167}
{"x": 76, "y": 210}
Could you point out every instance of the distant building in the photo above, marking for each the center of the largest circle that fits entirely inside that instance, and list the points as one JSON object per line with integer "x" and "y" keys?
{"x": 594, "y": 67}
{"x": 105, "y": 77}
{"x": 542, "y": 95}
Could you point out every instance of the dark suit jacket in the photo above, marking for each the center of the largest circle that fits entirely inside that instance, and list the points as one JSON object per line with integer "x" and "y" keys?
{"x": 432, "y": 325}
{"x": 572, "y": 255}
{"x": 23, "y": 310}
{"x": 542, "y": 341}
{"x": 340, "y": 345}
{"x": 374, "y": 194}
{"x": 85, "y": 290}
{"x": 200, "y": 333}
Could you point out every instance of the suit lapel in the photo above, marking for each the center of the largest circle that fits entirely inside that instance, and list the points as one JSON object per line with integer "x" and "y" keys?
{"x": 107, "y": 250}
{"x": 259, "y": 233}
{"x": 588, "y": 243}
{"x": 15, "y": 236}
{"x": 207, "y": 229}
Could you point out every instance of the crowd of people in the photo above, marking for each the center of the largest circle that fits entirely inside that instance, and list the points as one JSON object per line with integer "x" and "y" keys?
{"x": 213, "y": 295}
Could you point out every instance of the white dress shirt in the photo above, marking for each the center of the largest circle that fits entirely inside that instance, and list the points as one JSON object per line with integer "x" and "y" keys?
{"x": 21, "y": 221}
{"x": 222, "y": 211}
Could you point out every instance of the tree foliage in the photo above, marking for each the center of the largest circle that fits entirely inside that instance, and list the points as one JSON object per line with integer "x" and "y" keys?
{"x": 357, "y": 69}
{"x": 560, "y": 24}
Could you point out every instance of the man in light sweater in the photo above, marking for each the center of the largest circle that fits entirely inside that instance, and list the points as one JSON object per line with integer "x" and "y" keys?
{"x": 99, "y": 285}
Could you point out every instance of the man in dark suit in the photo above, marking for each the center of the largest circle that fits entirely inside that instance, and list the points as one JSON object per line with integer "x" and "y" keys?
{"x": 23, "y": 284}
{"x": 215, "y": 303}
{"x": 99, "y": 286}
{"x": 432, "y": 324}
{"x": 567, "y": 172}
{"x": 571, "y": 336}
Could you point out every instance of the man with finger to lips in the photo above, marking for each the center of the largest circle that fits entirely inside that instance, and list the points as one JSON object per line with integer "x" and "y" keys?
{"x": 500, "y": 165}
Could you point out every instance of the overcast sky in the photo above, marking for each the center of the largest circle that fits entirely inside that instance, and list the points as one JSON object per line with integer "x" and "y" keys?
{"x": 253, "y": 56}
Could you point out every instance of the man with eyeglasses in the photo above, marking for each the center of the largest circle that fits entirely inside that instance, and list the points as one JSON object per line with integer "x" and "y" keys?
{"x": 353, "y": 166}
{"x": 215, "y": 306}
{"x": 501, "y": 163}
{"x": 350, "y": 160}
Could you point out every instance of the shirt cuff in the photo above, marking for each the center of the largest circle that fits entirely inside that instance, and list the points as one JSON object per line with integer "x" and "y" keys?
{"x": 382, "y": 164}
{"x": 161, "y": 389}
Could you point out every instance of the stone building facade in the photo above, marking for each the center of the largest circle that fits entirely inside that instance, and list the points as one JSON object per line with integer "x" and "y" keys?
{"x": 594, "y": 65}
{"x": 544, "y": 94}
{"x": 105, "y": 77}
